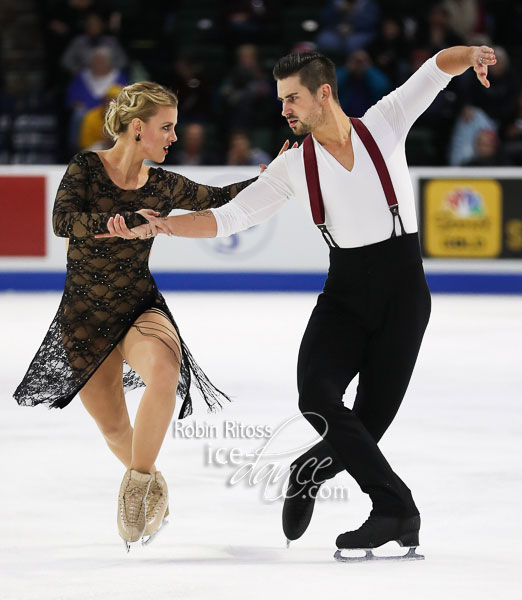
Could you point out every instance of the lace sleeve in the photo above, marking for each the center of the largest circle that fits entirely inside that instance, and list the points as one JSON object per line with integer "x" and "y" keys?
{"x": 189, "y": 195}
{"x": 70, "y": 218}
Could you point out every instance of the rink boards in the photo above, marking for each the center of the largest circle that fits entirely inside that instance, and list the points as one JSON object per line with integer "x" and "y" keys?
{"x": 470, "y": 224}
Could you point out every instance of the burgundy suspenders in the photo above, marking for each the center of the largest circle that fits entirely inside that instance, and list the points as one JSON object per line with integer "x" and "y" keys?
{"x": 314, "y": 188}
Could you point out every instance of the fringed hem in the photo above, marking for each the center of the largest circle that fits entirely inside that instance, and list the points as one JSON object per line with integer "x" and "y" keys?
{"x": 45, "y": 376}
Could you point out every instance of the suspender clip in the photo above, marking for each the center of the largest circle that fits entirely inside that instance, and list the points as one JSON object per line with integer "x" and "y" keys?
{"x": 327, "y": 236}
{"x": 395, "y": 214}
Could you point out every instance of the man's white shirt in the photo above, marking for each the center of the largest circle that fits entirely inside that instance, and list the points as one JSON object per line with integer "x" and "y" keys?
{"x": 356, "y": 211}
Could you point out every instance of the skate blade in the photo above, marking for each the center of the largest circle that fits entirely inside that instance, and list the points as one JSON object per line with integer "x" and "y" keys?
{"x": 288, "y": 543}
{"x": 370, "y": 556}
{"x": 146, "y": 540}
{"x": 128, "y": 545}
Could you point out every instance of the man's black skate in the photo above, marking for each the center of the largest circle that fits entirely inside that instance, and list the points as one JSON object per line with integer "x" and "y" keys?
{"x": 307, "y": 475}
{"x": 375, "y": 532}
{"x": 298, "y": 508}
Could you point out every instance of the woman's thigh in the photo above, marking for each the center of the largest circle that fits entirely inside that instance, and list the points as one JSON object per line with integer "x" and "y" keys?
{"x": 152, "y": 348}
{"x": 103, "y": 395}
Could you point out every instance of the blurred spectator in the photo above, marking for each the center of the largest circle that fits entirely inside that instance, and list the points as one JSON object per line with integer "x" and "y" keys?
{"x": 488, "y": 152}
{"x": 399, "y": 37}
{"x": 470, "y": 122}
{"x": 513, "y": 133}
{"x": 63, "y": 19}
{"x": 77, "y": 56}
{"x": 248, "y": 21}
{"x": 240, "y": 151}
{"x": 348, "y": 25}
{"x": 465, "y": 17}
{"x": 92, "y": 134}
{"x": 247, "y": 92}
{"x": 360, "y": 84}
{"x": 89, "y": 87}
{"x": 436, "y": 33}
{"x": 188, "y": 79}
{"x": 190, "y": 148}
{"x": 390, "y": 51}
{"x": 66, "y": 18}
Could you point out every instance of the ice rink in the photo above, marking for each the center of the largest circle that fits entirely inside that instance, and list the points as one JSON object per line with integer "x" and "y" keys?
{"x": 457, "y": 442}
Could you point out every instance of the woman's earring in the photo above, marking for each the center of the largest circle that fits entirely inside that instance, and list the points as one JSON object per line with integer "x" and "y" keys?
{"x": 138, "y": 137}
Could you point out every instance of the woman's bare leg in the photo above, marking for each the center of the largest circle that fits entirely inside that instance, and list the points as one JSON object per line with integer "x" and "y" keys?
{"x": 104, "y": 400}
{"x": 151, "y": 348}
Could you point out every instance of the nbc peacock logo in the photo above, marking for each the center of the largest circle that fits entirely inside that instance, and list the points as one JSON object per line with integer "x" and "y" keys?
{"x": 463, "y": 218}
{"x": 465, "y": 203}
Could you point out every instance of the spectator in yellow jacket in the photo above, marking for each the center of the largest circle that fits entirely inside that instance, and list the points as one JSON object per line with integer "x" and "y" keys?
{"x": 92, "y": 135}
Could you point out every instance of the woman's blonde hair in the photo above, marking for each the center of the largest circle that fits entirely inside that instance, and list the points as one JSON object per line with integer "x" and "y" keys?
{"x": 140, "y": 100}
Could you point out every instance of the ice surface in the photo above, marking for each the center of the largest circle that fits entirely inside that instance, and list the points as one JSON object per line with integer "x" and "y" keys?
{"x": 457, "y": 442}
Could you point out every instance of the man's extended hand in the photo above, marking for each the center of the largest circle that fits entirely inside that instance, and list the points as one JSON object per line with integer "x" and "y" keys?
{"x": 483, "y": 57}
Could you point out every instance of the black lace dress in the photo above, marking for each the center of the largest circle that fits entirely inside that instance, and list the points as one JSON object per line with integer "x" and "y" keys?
{"x": 108, "y": 282}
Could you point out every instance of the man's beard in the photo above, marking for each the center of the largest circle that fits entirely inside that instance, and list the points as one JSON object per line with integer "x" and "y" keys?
{"x": 302, "y": 128}
{"x": 306, "y": 127}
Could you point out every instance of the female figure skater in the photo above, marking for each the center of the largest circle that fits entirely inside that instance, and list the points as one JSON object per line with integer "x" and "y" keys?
{"x": 112, "y": 317}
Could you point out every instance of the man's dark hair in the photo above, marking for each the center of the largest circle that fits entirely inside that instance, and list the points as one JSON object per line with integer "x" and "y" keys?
{"x": 313, "y": 69}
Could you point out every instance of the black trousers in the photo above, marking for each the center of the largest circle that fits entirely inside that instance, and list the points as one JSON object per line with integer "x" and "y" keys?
{"x": 369, "y": 320}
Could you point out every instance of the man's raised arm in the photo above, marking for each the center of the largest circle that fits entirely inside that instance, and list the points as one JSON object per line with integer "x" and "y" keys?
{"x": 402, "y": 107}
{"x": 458, "y": 59}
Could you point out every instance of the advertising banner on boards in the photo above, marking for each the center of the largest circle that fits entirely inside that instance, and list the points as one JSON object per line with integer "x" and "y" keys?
{"x": 471, "y": 218}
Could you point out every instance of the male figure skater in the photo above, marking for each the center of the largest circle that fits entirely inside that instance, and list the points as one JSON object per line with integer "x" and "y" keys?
{"x": 352, "y": 176}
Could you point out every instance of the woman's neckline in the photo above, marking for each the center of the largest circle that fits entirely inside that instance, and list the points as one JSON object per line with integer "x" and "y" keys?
{"x": 149, "y": 173}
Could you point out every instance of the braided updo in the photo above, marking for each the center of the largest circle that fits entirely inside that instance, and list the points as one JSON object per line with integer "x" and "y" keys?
{"x": 139, "y": 100}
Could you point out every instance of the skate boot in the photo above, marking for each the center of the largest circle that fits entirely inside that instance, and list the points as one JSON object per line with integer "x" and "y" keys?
{"x": 298, "y": 507}
{"x": 376, "y": 531}
{"x": 307, "y": 475}
{"x": 157, "y": 504}
{"x": 131, "y": 506}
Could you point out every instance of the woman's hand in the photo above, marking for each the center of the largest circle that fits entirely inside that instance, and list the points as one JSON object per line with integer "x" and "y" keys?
{"x": 483, "y": 57}
{"x": 118, "y": 228}
{"x": 283, "y": 149}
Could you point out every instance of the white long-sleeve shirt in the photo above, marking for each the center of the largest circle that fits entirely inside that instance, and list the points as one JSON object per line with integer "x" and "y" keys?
{"x": 356, "y": 211}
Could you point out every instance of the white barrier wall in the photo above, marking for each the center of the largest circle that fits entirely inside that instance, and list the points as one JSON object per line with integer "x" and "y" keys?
{"x": 288, "y": 242}
{"x": 289, "y": 245}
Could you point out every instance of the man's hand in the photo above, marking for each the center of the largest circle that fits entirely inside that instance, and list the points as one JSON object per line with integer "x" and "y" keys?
{"x": 458, "y": 59}
{"x": 483, "y": 57}
{"x": 283, "y": 149}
